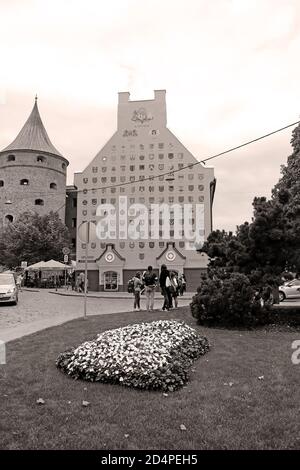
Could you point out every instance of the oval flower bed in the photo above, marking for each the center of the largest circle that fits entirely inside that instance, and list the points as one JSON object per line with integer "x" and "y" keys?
{"x": 155, "y": 355}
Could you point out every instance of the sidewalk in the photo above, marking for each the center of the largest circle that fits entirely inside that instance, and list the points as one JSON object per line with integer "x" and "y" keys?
{"x": 113, "y": 295}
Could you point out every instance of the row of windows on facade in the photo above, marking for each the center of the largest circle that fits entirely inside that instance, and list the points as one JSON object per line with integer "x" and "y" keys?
{"x": 114, "y": 179}
{"x": 133, "y": 156}
{"x": 141, "y": 189}
{"x": 39, "y": 159}
{"x": 142, "y": 222}
{"x": 142, "y": 200}
{"x": 133, "y": 245}
{"x": 25, "y": 182}
{"x": 160, "y": 145}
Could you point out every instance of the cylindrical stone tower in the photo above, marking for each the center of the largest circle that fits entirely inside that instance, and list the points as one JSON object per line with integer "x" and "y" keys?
{"x": 32, "y": 173}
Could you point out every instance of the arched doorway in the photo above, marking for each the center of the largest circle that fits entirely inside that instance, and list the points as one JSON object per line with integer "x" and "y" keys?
{"x": 111, "y": 281}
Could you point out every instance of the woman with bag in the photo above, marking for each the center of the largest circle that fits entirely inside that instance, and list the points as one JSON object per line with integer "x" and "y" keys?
{"x": 174, "y": 288}
{"x": 137, "y": 285}
{"x": 164, "y": 282}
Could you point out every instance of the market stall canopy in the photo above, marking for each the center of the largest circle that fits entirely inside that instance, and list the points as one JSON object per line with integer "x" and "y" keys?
{"x": 50, "y": 265}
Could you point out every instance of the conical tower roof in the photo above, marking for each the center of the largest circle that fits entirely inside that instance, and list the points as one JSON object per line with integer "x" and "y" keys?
{"x": 33, "y": 136}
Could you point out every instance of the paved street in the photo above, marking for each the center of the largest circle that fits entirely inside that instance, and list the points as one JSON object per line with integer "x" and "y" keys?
{"x": 41, "y": 309}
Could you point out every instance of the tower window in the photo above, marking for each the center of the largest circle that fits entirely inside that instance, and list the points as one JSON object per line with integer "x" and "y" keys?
{"x": 39, "y": 202}
{"x": 9, "y": 218}
{"x": 53, "y": 186}
{"x": 24, "y": 182}
{"x": 40, "y": 159}
{"x": 1, "y": 183}
{"x": 63, "y": 165}
{"x": 11, "y": 158}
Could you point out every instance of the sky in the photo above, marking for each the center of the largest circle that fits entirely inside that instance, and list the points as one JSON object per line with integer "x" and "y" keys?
{"x": 231, "y": 70}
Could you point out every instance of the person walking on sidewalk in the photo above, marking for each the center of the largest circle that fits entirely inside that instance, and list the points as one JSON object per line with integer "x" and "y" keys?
{"x": 174, "y": 288}
{"x": 150, "y": 281}
{"x": 164, "y": 280}
{"x": 137, "y": 285}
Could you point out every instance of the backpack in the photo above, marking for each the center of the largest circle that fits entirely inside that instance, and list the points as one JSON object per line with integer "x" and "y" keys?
{"x": 130, "y": 286}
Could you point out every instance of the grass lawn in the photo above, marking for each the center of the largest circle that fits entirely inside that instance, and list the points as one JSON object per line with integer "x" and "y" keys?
{"x": 247, "y": 414}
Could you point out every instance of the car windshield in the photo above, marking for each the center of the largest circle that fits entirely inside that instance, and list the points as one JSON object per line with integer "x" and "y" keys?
{"x": 6, "y": 279}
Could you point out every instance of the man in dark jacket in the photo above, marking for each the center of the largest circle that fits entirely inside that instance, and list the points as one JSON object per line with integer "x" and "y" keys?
{"x": 150, "y": 281}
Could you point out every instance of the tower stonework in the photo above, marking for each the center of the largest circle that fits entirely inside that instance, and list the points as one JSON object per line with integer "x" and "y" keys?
{"x": 32, "y": 173}
{"x": 141, "y": 147}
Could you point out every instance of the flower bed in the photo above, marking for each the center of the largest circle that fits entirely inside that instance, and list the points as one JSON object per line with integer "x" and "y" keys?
{"x": 155, "y": 355}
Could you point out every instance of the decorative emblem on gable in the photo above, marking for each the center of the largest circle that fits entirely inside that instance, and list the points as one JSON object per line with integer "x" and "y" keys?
{"x": 141, "y": 116}
{"x": 109, "y": 257}
{"x": 170, "y": 256}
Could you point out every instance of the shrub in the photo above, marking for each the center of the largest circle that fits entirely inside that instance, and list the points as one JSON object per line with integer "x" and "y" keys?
{"x": 230, "y": 301}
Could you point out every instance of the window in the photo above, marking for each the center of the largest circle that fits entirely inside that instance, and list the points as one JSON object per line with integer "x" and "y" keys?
{"x": 74, "y": 222}
{"x": 161, "y": 244}
{"x": 94, "y": 202}
{"x": 103, "y": 201}
{"x": 63, "y": 165}
{"x": 95, "y": 169}
{"x": 73, "y": 242}
{"x": 9, "y": 218}
{"x": 1, "y": 183}
{"x": 161, "y": 188}
{"x": 53, "y": 186}
{"x": 180, "y": 165}
{"x": 40, "y": 159}
{"x": 131, "y": 167}
{"x": 39, "y": 202}
{"x": 170, "y": 155}
{"x": 11, "y": 158}
{"x": 160, "y": 145}
{"x": 74, "y": 203}
{"x": 151, "y": 244}
{"x": 24, "y": 182}
{"x": 142, "y": 167}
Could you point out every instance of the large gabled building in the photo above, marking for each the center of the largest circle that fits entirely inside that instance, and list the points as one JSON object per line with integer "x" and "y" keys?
{"x": 144, "y": 163}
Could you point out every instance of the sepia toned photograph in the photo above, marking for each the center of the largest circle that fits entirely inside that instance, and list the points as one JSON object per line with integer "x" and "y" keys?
{"x": 149, "y": 230}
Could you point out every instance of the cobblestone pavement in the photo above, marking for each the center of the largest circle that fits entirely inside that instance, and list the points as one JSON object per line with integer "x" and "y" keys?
{"x": 42, "y": 309}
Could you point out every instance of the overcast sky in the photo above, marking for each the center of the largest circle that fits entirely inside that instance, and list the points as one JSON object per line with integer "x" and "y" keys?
{"x": 231, "y": 69}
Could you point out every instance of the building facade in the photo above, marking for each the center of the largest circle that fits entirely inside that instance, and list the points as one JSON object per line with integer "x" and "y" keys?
{"x": 143, "y": 164}
{"x": 32, "y": 173}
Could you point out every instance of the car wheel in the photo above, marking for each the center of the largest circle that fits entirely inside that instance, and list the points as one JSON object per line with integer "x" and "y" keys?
{"x": 281, "y": 296}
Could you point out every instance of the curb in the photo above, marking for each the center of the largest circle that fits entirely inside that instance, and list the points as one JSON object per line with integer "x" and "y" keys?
{"x": 121, "y": 297}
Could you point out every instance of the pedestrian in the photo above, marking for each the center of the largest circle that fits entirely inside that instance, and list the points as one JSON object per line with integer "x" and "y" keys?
{"x": 164, "y": 282}
{"x": 19, "y": 282}
{"x": 150, "y": 281}
{"x": 183, "y": 284}
{"x": 137, "y": 285}
{"x": 174, "y": 288}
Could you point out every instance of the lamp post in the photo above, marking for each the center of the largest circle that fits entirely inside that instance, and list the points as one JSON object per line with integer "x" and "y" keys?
{"x": 87, "y": 234}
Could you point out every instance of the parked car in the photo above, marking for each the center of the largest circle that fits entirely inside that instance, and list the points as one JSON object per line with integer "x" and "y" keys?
{"x": 290, "y": 290}
{"x": 8, "y": 289}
